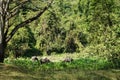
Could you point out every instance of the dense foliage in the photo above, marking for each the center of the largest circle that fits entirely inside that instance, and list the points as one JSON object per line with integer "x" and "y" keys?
{"x": 89, "y": 27}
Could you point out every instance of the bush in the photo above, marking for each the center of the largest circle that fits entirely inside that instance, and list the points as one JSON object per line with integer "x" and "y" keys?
{"x": 70, "y": 45}
{"x": 114, "y": 58}
{"x": 32, "y": 52}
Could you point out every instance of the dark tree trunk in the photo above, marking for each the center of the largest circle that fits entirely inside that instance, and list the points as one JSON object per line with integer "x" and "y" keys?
{"x": 2, "y": 52}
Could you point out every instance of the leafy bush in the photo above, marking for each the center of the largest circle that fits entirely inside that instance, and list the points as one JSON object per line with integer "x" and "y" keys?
{"x": 32, "y": 52}
{"x": 70, "y": 45}
{"x": 114, "y": 58}
{"x": 23, "y": 40}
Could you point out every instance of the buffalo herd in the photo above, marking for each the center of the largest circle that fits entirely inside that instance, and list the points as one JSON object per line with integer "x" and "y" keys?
{"x": 46, "y": 60}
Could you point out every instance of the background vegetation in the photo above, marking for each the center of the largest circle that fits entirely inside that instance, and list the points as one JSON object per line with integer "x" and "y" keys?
{"x": 87, "y": 27}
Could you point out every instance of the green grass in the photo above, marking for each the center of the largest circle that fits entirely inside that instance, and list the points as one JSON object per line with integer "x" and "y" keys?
{"x": 11, "y": 72}
{"x": 82, "y": 63}
{"x": 79, "y": 69}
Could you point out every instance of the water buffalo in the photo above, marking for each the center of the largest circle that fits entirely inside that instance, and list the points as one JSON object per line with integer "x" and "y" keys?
{"x": 45, "y": 60}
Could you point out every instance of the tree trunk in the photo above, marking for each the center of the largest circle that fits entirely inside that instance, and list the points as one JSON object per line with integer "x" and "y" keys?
{"x": 2, "y": 52}
{"x": 3, "y": 23}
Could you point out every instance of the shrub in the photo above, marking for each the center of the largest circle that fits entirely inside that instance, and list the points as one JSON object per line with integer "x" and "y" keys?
{"x": 70, "y": 45}
{"x": 31, "y": 52}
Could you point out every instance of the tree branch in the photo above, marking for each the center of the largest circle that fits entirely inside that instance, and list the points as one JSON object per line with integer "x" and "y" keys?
{"x": 12, "y": 14}
{"x": 0, "y": 7}
{"x": 19, "y": 5}
{"x": 14, "y": 11}
{"x": 7, "y": 29}
{"x": 22, "y": 24}
{"x": 7, "y": 5}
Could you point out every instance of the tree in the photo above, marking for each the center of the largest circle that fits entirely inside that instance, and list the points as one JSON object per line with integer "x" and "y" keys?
{"x": 9, "y": 11}
{"x": 49, "y": 34}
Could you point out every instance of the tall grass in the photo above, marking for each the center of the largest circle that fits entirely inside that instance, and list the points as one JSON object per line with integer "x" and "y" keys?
{"x": 12, "y": 72}
{"x": 82, "y": 63}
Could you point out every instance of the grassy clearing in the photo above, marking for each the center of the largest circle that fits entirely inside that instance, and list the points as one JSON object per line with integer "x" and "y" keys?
{"x": 79, "y": 69}
{"x": 10, "y": 72}
{"x": 82, "y": 63}
{"x": 61, "y": 57}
